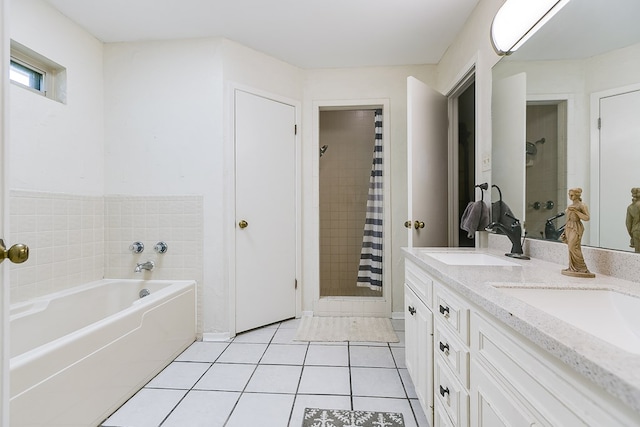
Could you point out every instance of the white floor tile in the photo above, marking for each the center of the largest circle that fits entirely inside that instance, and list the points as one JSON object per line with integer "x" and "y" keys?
{"x": 376, "y": 357}
{"x": 284, "y": 354}
{"x": 203, "y": 409}
{"x": 264, "y": 410}
{"x": 242, "y": 353}
{"x": 386, "y": 405}
{"x": 202, "y": 352}
{"x": 400, "y": 343}
{"x": 397, "y": 324}
{"x": 226, "y": 377}
{"x": 409, "y": 387}
{"x": 377, "y": 382}
{"x": 147, "y": 408}
{"x": 257, "y": 336}
{"x": 316, "y": 401}
{"x": 290, "y": 324}
{"x": 327, "y": 355}
{"x": 181, "y": 375}
{"x": 399, "y": 356}
{"x": 419, "y": 413}
{"x": 275, "y": 379}
{"x": 325, "y": 380}
{"x": 286, "y": 336}
{"x": 368, "y": 343}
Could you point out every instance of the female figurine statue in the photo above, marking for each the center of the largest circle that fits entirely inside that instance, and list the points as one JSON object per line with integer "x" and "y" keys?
{"x": 633, "y": 219}
{"x": 572, "y": 235}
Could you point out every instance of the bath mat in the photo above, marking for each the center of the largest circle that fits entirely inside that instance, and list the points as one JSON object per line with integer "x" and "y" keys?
{"x": 314, "y": 417}
{"x": 368, "y": 329}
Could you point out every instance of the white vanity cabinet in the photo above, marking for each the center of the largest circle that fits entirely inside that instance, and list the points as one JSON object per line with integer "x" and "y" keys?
{"x": 471, "y": 369}
{"x": 451, "y": 348}
{"x": 514, "y": 383}
{"x": 419, "y": 334}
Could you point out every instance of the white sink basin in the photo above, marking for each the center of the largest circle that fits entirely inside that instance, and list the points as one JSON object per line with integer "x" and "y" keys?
{"x": 608, "y": 315}
{"x": 469, "y": 258}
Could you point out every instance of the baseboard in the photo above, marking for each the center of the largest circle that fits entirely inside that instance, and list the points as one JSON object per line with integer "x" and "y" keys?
{"x": 307, "y": 313}
{"x": 216, "y": 336}
{"x": 397, "y": 315}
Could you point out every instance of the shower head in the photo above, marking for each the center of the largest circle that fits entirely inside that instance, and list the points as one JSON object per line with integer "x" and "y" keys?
{"x": 531, "y": 149}
{"x": 323, "y": 149}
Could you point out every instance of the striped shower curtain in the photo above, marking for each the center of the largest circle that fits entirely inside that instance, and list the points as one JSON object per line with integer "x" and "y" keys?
{"x": 370, "y": 270}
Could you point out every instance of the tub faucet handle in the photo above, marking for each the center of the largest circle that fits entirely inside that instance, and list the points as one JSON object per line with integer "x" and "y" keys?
{"x": 136, "y": 247}
{"x": 160, "y": 247}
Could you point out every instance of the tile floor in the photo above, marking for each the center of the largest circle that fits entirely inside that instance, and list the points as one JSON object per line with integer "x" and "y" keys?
{"x": 264, "y": 378}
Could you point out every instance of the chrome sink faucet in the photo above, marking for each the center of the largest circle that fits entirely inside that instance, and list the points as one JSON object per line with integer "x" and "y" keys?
{"x": 144, "y": 266}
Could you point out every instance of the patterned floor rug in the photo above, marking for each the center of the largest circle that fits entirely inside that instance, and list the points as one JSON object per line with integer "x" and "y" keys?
{"x": 363, "y": 329}
{"x": 314, "y": 417}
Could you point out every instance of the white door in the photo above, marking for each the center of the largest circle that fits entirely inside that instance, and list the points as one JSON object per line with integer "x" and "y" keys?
{"x": 620, "y": 130}
{"x": 265, "y": 234}
{"x": 509, "y": 111}
{"x": 427, "y": 150}
{"x": 4, "y": 285}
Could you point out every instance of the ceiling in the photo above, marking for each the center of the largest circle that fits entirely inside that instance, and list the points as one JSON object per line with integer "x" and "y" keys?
{"x": 304, "y": 33}
{"x": 583, "y": 29}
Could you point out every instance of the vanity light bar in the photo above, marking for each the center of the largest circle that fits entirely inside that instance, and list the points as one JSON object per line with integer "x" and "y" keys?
{"x": 517, "y": 20}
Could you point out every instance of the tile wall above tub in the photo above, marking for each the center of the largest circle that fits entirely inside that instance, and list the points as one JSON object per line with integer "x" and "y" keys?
{"x": 75, "y": 239}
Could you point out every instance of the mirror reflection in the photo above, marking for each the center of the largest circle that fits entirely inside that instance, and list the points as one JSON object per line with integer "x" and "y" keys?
{"x": 565, "y": 114}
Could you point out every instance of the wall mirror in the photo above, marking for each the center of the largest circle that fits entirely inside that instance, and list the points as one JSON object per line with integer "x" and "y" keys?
{"x": 566, "y": 113}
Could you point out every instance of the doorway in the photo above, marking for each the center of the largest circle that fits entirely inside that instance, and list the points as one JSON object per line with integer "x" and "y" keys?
{"x": 466, "y": 113}
{"x": 346, "y": 147}
{"x": 545, "y": 167}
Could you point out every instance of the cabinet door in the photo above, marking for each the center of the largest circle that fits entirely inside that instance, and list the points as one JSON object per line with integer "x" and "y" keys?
{"x": 410, "y": 332}
{"x": 491, "y": 406}
{"x": 419, "y": 349}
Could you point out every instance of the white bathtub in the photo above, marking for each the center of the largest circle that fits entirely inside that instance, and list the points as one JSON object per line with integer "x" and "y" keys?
{"x": 77, "y": 355}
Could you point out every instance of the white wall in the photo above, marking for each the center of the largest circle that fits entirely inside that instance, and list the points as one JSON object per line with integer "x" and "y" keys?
{"x": 57, "y": 147}
{"x": 167, "y": 110}
{"x": 473, "y": 44}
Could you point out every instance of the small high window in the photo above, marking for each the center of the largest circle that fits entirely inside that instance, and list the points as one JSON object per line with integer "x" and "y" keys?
{"x": 33, "y": 71}
{"x": 27, "y": 76}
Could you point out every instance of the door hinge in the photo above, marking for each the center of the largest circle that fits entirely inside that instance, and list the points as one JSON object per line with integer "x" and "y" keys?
{"x": 599, "y": 123}
{"x": 295, "y": 129}
{"x": 295, "y": 284}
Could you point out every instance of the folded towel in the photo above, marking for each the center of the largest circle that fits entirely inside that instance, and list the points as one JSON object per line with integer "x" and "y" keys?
{"x": 475, "y": 218}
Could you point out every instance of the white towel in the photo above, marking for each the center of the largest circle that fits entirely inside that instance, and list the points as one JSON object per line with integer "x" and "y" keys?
{"x": 475, "y": 218}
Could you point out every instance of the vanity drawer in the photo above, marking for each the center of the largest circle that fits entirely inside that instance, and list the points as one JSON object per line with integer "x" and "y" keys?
{"x": 419, "y": 281}
{"x": 451, "y": 395}
{"x": 453, "y": 353}
{"x": 452, "y": 311}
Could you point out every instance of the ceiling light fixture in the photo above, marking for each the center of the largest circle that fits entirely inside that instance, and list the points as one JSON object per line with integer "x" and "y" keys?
{"x": 517, "y": 20}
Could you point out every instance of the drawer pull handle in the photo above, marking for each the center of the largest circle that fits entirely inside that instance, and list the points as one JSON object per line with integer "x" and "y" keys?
{"x": 444, "y": 391}
{"x": 444, "y": 310}
{"x": 412, "y": 310}
{"x": 444, "y": 347}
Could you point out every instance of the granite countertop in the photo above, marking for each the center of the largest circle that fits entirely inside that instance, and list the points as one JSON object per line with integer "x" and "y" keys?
{"x": 615, "y": 370}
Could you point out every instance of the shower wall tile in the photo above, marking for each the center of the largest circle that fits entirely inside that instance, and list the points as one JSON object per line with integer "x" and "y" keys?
{"x": 65, "y": 235}
{"x": 344, "y": 183}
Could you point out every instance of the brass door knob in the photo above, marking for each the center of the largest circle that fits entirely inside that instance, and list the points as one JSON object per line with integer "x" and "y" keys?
{"x": 17, "y": 253}
{"x": 243, "y": 224}
{"x": 407, "y": 224}
{"x": 418, "y": 224}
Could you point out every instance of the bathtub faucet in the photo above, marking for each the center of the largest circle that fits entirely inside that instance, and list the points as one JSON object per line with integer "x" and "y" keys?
{"x": 144, "y": 266}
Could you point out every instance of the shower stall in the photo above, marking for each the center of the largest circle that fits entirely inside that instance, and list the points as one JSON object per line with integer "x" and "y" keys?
{"x": 347, "y": 142}
{"x": 546, "y": 174}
